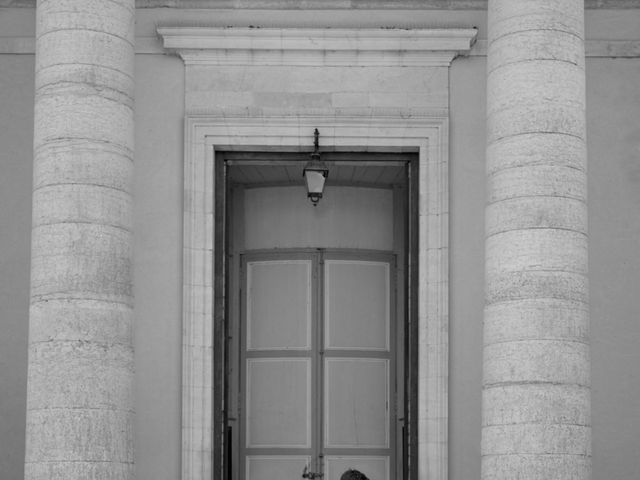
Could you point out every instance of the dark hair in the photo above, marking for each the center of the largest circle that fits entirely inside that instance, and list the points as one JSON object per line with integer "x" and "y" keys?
{"x": 353, "y": 475}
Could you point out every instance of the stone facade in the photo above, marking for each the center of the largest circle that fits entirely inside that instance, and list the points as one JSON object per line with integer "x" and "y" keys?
{"x": 535, "y": 352}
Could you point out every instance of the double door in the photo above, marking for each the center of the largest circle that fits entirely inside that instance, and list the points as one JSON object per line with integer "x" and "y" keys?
{"x": 317, "y": 366}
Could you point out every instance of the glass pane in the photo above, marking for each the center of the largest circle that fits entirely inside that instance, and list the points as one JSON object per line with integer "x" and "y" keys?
{"x": 356, "y": 403}
{"x": 279, "y": 305}
{"x": 279, "y": 402}
{"x": 357, "y": 305}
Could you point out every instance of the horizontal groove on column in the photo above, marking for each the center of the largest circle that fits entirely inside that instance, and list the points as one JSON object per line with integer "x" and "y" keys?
{"x": 530, "y": 60}
{"x": 530, "y": 383}
{"x": 57, "y": 89}
{"x": 534, "y": 382}
{"x": 47, "y": 143}
{"x": 538, "y": 339}
{"x": 81, "y": 29}
{"x": 43, "y": 298}
{"x": 96, "y": 65}
{"x": 41, "y": 409}
{"x": 516, "y": 32}
{"x": 533, "y": 132}
{"x": 96, "y": 185}
{"x": 536, "y": 133}
{"x": 64, "y": 294}
{"x": 535, "y": 239}
{"x": 76, "y": 461}
{"x": 536, "y": 228}
{"x": 66, "y": 82}
{"x": 82, "y": 222}
{"x": 541, "y": 270}
{"x": 510, "y": 424}
{"x": 570, "y": 300}
{"x": 580, "y": 455}
{"x": 68, "y": 147}
{"x": 540, "y": 106}
{"x": 550, "y": 163}
{"x": 58, "y": 341}
{"x": 497, "y": 274}
{"x": 531, "y": 296}
{"x": 543, "y": 195}
{"x": 567, "y": 337}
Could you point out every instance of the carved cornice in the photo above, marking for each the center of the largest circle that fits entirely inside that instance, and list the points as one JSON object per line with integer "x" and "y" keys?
{"x": 318, "y": 46}
{"x": 332, "y": 4}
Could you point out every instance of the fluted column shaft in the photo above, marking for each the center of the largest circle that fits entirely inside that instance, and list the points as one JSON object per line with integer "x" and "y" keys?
{"x": 79, "y": 400}
{"x": 536, "y": 401}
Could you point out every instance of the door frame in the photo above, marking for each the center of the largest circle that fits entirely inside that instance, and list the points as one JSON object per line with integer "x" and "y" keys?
{"x": 204, "y": 270}
{"x": 317, "y": 258}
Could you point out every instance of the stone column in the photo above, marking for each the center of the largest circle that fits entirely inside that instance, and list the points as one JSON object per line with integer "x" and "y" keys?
{"x": 79, "y": 400}
{"x": 536, "y": 407}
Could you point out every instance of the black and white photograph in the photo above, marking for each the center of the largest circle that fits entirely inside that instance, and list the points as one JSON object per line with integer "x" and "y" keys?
{"x": 319, "y": 239}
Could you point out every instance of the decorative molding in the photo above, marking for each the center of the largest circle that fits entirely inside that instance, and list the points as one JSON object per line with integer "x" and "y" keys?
{"x": 153, "y": 46}
{"x": 318, "y": 46}
{"x": 197, "y": 310}
{"x": 423, "y": 133}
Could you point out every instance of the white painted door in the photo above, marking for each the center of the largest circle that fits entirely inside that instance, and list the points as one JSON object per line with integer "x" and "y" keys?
{"x": 318, "y": 373}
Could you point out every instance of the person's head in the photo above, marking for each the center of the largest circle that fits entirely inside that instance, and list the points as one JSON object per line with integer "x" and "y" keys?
{"x": 353, "y": 475}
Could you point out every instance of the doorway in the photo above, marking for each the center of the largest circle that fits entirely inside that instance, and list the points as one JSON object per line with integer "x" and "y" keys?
{"x": 315, "y": 383}
{"x": 317, "y": 378}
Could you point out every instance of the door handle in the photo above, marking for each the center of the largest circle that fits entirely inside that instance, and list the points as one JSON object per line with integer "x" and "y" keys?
{"x": 311, "y": 475}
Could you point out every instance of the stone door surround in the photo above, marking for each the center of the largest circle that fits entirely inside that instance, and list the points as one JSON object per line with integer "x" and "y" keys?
{"x": 364, "y": 128}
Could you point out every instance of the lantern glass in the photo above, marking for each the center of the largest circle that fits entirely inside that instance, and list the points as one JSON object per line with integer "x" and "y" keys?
{"x": 315, "y": 177}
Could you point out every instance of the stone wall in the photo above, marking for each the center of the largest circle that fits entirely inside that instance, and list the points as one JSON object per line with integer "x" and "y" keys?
{"x": 16, "y": 138}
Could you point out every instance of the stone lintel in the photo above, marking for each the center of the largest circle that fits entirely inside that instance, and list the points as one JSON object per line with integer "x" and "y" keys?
{"x": 318, "y": 46}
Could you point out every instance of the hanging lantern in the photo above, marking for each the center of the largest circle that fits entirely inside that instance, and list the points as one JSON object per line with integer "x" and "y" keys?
{"x": 315, "y": 173}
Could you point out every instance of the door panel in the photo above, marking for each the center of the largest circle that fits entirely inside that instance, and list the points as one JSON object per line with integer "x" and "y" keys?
{"x": 278, "y": 403}
{"x": 356, "y": 403}
{"x": 269, "y": 467}
{"x": 318, "y": 364}
{"x": 279, "y": 305}
{"x": 356, "y": 305}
